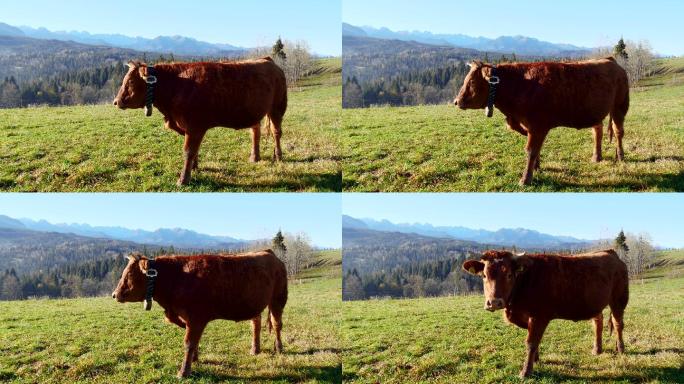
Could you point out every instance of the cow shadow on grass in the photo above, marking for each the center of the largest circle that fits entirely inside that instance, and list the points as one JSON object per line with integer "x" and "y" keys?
{"x": 673, "y": 182}
{"x": 653, "y": 351}
{"x": 321, "y": 374}
{"x": 641, "y": 374}
{"x": 326, "y": 182}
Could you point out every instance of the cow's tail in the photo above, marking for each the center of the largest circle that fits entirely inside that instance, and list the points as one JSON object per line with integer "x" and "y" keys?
{"x": 269, "y": 125}
{"x": 269, "y": 322}
{"x": 610, "y": 323}
{"x": 610, "y": 128}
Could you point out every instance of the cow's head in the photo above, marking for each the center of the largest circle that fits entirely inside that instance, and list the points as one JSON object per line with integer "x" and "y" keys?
{"x": 133, "y": 89}
{"x": 499, "y": 270}
{"x": 475, "y": 89}
{"x": 133, "y": 284}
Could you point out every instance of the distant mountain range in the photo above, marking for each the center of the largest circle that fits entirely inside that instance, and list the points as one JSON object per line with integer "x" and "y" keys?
{"x": 520, "y": 45}
{"x": 177, "y": 237}
{"x": 179, "y": 45}
{"x": 519, "y": 237}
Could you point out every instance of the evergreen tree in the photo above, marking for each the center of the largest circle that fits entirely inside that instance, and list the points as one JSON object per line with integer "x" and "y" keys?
{"x": 279, "y": 244}
{"x": 621, "y": 242}
{"x": 278, "y": 50}
{"x": 620, "y": 50}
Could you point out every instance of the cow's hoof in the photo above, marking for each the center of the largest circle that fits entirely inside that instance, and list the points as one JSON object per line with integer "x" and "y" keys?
{"x": 254, "y": 352}
{"x": 596, "y": 159}
{"x": 181, "y": 182}
{"x": 523, "y": 182}
{"x": 181, "y": 374}
{"x": 596, "y": 351}
{"x": 523, "y": 374}
{"x": 254, "y": 158}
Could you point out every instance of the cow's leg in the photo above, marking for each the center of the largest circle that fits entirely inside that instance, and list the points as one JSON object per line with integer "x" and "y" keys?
{"x": 171, "y": 124}
{"x": 598, "y": 334}
{"x": 191, "y": 149}
{"x": 195, "y": 354}
{"x": 598, "y": 139}
{"x": 619, "y": 134}
{"x": 619, "y": 325}
{"x": 193, "y": 333}
{"x": 173, "y": 318}
{"x": 535, "y": 139}
{"x": 515, "y": 125}
{"x": 275, "y": 127}
{"x": 535, "y": 331}
{"x": 277, "y": 322}
{"x": 256, "y": 136}
{"x": 256, "y": 335}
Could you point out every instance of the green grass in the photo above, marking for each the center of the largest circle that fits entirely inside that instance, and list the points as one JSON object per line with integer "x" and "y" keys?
{"x": 668, "y": 263}
{"x": 100, "y": 148}
{"x": 100, "y": 341}
{"x": 453, "y": 340}
{"x": 668, "y": 71}
{"x": 441, "y": 148}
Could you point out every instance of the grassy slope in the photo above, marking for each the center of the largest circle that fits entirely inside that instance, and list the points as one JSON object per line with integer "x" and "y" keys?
{"x": 665, "y": 72}
{"x": 99, "y": 148}
{"x": 453, "y": 340}
{"x": 101, "y": 341}
{"x": 440, "y": 148}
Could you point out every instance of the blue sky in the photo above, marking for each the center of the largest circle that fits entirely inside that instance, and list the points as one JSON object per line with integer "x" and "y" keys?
{"x": 242, "y": 23}
{"x": 587, "y": 23}
{"x": 245, "y": 216}
{"x": 585, "y": 216}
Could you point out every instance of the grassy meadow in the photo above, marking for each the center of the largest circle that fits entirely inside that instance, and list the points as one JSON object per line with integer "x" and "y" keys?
{"x": 454, "y": 340}
{"x": 441, "y": 148}
{"x": 101, "y": 148}
{"x": 98, "y": 340}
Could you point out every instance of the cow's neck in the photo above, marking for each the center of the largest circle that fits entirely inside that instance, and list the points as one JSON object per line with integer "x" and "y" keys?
{"x": 505, "y": 91}
{"x": 163, "y": 98}
{"x": 166, "y": 275}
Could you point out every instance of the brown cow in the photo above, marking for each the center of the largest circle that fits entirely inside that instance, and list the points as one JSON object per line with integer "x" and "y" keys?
{"x": 194, "y": 97}
{"x": 535, "y": 289}
{"x": 194, "y": 290}
{"x": 536, "y": 97}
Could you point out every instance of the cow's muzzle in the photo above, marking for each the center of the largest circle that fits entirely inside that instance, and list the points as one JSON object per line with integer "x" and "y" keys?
{"x": 494, "y": 304}
{"x": 459, "y": 103}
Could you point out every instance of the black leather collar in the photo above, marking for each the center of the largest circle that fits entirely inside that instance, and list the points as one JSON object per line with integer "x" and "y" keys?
{"x": 151, "y": 81}
{"x": 151, "y": 274}
{"x": 493, "y": 82}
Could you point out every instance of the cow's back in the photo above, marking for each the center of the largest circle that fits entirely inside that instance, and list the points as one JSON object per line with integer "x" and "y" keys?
{"x": 230, "y": 94}
{"x": 573, "y": 287}
{"x": 577, "y": 95}
{"x": 233, "y": 287}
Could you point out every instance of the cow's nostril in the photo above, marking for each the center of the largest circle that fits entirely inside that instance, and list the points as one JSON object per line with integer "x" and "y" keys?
{"x": 116, "y": 102}
{"x": 113, "y": 295}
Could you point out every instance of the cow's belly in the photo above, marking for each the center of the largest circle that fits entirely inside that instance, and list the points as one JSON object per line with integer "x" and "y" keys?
{"x": 581, "y": 122}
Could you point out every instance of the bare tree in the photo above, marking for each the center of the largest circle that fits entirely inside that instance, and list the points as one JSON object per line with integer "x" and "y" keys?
{"x": 299, "y": 252}
{"x": 637, "y": 59}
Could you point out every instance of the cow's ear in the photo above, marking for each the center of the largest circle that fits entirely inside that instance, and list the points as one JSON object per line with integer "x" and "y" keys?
{"x": 521, "y": 263}
{"x": 474, "y": 267}
{"x": 142, "y": 71}
{"x": 143, "y": 264}
{"x": 134, "y": 256}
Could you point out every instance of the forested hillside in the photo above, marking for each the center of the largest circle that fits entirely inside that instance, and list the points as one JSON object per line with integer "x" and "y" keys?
{"x": 377, "y": 263}
{"x": 395, "y": 72}
{"x": 53, "y": 72}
